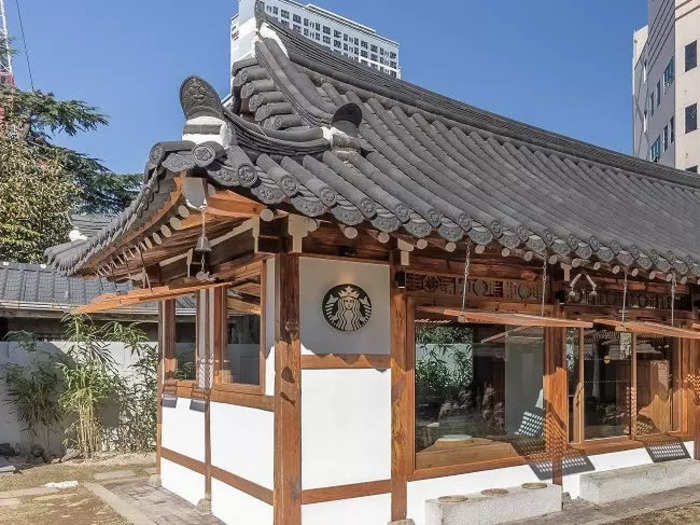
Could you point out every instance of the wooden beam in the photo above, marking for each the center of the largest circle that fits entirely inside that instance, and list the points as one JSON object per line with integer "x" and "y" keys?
{"x": 647, "y": 327}
{"x": 244, "y": 485}
{"x": 338, "y": 492}
{"x": 287, "y": 438}
{"x": 510, "y": 319}
{"x": 229, "y": 204}
{"x": 401, "y": 403}
{"x": 555, "y": 399}
{"x": 338, "y": 361}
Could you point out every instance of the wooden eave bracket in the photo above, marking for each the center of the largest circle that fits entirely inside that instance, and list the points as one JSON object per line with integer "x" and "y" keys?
{"x": 298, "y": 227}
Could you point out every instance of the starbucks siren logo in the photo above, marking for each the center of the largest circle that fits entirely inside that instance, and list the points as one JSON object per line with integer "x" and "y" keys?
{"x": 347, "y": 307}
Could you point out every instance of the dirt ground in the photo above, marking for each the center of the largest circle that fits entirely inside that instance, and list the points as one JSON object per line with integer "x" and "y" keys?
{"x": 71, "y": 506}
{"x": 75, "y": 506}
{"x": 686, "y": 515}
{"x": 37, "y": 476}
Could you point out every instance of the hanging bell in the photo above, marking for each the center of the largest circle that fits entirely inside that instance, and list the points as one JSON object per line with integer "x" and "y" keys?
{"x": 203, "y": 244}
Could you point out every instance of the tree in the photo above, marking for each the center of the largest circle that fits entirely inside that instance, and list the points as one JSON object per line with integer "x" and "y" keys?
{"x": 41, "y": 183}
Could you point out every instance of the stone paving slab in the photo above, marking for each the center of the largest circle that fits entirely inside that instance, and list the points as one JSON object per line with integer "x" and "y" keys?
{"x": 9, "y": 502}
{"x": 114, "y": 474}
{"x": 579, "y": 512}
{"x": 156, "y": 505}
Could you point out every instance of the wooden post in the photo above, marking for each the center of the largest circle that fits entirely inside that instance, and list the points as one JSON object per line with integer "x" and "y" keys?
{"x": 555, "y": 399}
{"x": 287, "y": 476}
{"x": 633, "y": 389}
{"x": 160, "y": 371}
{"x": 401, "y": 406}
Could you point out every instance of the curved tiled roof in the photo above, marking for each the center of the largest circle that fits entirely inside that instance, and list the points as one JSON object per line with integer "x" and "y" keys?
{"x": 319, "y": 134}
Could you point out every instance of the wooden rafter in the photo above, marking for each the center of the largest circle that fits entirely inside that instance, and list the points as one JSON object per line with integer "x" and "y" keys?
{"x": 647, "y": 327}
{"x": 510, "y": 319}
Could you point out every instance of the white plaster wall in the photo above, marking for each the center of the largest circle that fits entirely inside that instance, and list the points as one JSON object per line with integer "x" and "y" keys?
{"x": 242, "y": 442}
{"x": 316, "y": 277}
{"x": 183, "y": 430}
{"x": 419, "y": 491}
{"x": 369, "y": 510}
{"x": 346, "y": 426}
{"x": 234, "y": 507}
{"x": 182, "y": 481}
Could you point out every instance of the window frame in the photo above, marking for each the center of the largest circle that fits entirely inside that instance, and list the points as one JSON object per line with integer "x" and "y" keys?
{"x": 689, "y": 110}
{"x": 220, "y": 336}
{"x": 691, "y": 64}
{"x": 579, "y": 413}
{"x": 168, "y": 339}
{"x": 413, "y": 303}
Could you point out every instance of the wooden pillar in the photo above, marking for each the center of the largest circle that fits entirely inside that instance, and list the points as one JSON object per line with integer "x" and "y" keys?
{"x": 287, "y": 403}
{"x": 401, "y": 403}
{"x": 555, "y": 399}
{"x": 160, "y": 371}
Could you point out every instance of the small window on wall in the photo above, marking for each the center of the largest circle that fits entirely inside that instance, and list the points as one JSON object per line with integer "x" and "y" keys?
{"x": 478, "y": 390}
{"x": 186, "y": 337}
{"x": 691, "y": 56}
{"x": 606, "y": 385}
{"x": 242, "y": 348}
{"x": 691, "y": 118}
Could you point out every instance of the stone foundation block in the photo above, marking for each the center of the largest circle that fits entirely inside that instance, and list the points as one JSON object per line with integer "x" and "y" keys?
{"x": 629, "y": 482}
{"x": 494, "y": 506}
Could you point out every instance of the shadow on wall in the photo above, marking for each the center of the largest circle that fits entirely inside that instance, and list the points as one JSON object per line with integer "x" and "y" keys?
{"x": 12, "y": 431}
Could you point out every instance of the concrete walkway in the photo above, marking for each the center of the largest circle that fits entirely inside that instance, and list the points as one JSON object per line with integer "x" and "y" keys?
{"x": 141, "y": 504}
{"x": 579, "y": 512}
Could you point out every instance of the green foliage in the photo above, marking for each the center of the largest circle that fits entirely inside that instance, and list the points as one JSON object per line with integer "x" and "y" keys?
{"x": 41, "y": 183}
{"x": 445, "y": 370}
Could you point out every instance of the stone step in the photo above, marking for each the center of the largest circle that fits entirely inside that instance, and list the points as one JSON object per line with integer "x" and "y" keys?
{"x": 630, "y": 482}
{"x": 493, "y": 506}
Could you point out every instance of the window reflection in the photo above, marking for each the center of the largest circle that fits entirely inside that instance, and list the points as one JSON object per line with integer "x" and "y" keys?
{"x": 185, "y": 337}
{"x": 607, "y": 359}
{"x": 241, "y": 355}
{"x": 478, "y": 392}
{"x": 654, "y": 384}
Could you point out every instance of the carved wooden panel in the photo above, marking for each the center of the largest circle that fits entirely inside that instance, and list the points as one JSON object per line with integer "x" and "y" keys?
{"x": 504, "y": 289}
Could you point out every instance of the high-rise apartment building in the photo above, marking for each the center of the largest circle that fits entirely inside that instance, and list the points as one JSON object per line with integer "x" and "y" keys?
{"x": 666, "y": 85}
{"x": 339, "y": 34}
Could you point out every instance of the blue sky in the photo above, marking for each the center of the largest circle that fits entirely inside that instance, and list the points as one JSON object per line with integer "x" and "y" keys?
{"x": 564, "y": 65}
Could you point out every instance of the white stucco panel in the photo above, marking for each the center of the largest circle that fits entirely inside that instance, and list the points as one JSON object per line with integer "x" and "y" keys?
{"x": 234, "y": 507}
{"x": 182, "y": 481}
{"x": 183, "y": 430}
{"x": 242, "y": 442}
{"x": 316, "y": 277}
{"x": 345, "y": 427}
{"x": 369, "y": 510}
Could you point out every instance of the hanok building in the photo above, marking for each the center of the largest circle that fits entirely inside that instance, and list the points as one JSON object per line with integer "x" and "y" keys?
{"x": 401, "y": 297}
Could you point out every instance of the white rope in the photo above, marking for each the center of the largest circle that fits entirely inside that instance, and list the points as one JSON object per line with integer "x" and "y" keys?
{"x": 467, "y": 263}
{"x": 624, "y": 299}
{"x": 544, "y": 283}
{"x": 673, "y": 297}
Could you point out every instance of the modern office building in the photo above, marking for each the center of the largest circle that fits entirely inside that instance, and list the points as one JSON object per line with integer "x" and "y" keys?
{"x": 666, "y": 85}
{"x": 339, "y": 34}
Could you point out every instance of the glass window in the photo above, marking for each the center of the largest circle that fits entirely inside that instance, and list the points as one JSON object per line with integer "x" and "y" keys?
{"x": 665, "y": 138}
{"x": 373, "y": 48}
{"x": 296, "y": 18}
{"x": 296, "y": 28}
{"x": 691, "y": 55}
{"x": 691, "y": 118}
{"x": 363, "y": 44}
{"x": 655, "y": 150}
{"x": 655, "y": 385}
{"x": 606, "y": 385}
{"x": 672, "y": 128}
{"x": 573, "y": 369}
{"x": 373, "y": 57}
{"x": 241, "y": 354}
{"x": 392, "y": 64}
{"x": 392, "y": 55}
{"x": 479, "y": 393}
{"x": 669, "y": 73}
{"x": 306, "y": 32}
{"x": 337, "y": 43}
{"x": 327, "y": 30}
{"x": 318, "y": 26}
{"x": 306, "y": 22}
{"x": 651, "y": 98}
{"x": 363, "y": 53}
{"x": 326, "y": 39}
{"x": 284, "y": 13}
{"x": 658, "y": 93}
{"x": 336, "y": 33}
{"x": 186, "y": 337}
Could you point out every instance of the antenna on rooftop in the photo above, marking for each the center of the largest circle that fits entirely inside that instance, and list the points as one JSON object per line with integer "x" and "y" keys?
{"x": 6, "y": 77}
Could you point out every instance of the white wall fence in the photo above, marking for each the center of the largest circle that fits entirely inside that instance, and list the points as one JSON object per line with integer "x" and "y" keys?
{"x": 11, "y": 430}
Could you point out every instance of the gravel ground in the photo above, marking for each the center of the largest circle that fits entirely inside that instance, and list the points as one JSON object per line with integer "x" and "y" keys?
{"x": 685, "y": 515}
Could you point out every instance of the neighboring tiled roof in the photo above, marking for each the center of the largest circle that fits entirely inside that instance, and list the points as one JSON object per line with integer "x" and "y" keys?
{"x": 26, "y": 286}
{"x": 322, "y": 135}
{"x": 90, "y": 224}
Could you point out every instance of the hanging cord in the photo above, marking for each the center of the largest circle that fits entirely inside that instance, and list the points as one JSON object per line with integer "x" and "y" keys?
{"x": 624, "y": 299}
{"x": 673, "y": 297}
{"x": 467, "y": 263}
{"x": 24, "y": 43}
{"x": 544, "y": 283}
{"x": 146, "y": 278}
